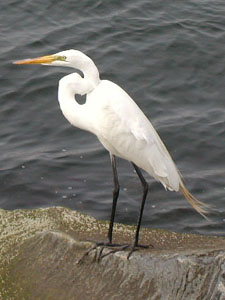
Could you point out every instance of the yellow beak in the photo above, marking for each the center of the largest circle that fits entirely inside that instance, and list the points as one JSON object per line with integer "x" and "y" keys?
{"x": 38, "y": 60}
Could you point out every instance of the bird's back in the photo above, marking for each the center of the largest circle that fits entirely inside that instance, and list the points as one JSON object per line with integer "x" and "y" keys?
{"x": 125, "y": 131}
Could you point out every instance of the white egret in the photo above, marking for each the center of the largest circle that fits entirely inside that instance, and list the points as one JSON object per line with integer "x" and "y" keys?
{"x": 120, "y": 125}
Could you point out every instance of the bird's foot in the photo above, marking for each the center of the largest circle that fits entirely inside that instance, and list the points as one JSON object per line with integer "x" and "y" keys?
{"x": 99, "y": 247}
{"x": 131, "y": 247}
{"x": 113, "y": 248}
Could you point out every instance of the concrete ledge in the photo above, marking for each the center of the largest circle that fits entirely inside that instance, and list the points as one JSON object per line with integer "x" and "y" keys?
{"x": 39, "y": 250}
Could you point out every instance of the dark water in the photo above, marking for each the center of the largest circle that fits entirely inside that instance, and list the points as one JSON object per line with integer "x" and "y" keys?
{"x": 169, "y": 56}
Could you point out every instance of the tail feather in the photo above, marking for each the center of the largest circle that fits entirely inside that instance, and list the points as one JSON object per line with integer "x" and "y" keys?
{"x": 199, "y": 206}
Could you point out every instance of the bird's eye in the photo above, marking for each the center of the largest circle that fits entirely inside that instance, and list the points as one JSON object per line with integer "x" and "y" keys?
{"x": 61, "y": 58}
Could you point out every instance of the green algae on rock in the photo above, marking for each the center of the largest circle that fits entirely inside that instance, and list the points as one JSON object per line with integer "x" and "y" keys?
{"x": 39, "y": 250}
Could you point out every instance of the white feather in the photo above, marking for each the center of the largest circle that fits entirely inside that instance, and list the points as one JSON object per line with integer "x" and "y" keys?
{"x": 117, "y": 121}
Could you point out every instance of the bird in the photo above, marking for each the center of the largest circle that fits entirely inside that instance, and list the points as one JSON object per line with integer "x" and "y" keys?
{"x": 121, "y": 127}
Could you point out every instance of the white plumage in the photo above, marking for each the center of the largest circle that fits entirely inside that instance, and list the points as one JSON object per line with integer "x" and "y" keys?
{"x": 120, "y": 125}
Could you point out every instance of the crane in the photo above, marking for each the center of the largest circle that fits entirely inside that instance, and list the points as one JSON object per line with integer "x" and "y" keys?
{"x": 120, "y": 125}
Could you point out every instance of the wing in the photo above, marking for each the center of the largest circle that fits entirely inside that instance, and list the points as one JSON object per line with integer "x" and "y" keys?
{"x": 125, "y": 131}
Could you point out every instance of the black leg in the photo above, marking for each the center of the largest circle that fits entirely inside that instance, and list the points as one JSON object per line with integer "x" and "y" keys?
{"x": 116, "y": 247}
{"x": 115, "y": 196}
{"x": 145, "y": 192}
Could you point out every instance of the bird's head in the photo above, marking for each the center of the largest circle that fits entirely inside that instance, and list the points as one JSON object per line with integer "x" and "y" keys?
{"x": 67, "y": 58}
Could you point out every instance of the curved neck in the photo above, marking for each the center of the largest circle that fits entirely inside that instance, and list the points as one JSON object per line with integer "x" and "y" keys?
{"x": 74, "y": 112}
{"x": 86, "y": 65}
{"x": 72, "y": 84}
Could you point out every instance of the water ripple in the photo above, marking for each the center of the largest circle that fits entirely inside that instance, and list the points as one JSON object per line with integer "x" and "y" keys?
{"x": 168, "y": 56}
